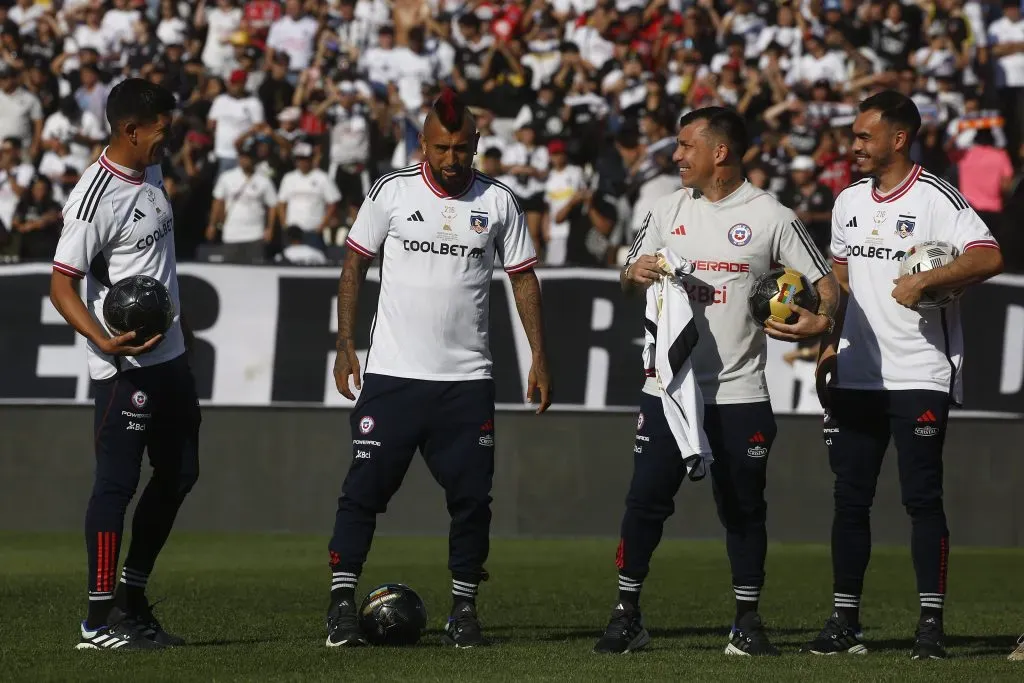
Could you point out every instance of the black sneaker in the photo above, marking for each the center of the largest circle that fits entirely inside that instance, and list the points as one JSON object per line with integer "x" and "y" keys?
{"x": 121, "y": 633}
{"x": 928, "y": 641}
{"x": 837, "y": 637}
{"x": 463, "y": 627}
{"x": 625, "y": 631}
{"x": 343, "y": 626}
{"x": 748, "y": 638}
{"x": 152, "y": 629}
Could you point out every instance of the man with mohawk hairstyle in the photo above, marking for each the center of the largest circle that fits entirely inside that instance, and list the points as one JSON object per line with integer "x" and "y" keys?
{"x": 437, "y": 227}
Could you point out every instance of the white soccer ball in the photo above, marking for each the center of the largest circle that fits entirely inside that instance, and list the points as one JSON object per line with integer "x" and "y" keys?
{"x": 925, "y": 256}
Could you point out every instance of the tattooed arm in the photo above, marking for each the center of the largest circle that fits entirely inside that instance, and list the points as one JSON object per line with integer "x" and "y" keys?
{"x": 346, "y": 363}
{"x": 526, "y": 290}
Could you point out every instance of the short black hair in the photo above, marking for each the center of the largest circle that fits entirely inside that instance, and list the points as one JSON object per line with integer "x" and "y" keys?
{"x": 293, "y": 234}
{"x": 139, "y": 101}
{"x": 896, "y": 109}
{"x": 724, "y": 123}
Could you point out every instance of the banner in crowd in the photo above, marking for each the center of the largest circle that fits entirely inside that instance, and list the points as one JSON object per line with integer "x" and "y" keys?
{"x": 266, "y": 338}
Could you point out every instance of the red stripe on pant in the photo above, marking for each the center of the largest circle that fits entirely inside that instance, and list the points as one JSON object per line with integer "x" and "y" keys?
{"x": 620, "y": 554}
{"x": 106, "y": 554}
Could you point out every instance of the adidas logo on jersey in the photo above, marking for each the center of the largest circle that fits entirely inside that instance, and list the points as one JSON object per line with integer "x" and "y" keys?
{"x": 680, "y": 231}
{"x": 137, "y": 216}
{"x": 416, "y": 217}
{"x": 852, "y": 223}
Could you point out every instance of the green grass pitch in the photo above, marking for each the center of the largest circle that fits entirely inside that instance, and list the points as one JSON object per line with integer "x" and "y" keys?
{"x": 253, "y": 608}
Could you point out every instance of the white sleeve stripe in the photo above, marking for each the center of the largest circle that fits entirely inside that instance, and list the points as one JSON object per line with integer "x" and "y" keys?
{"x": 525, "y": 265}
{"x": 359, "y": 248}
{"x": 816, "y": 257}
{"x": 638, "y": 240}
{"x": 70, "y": 271}
{"x": 982, "y": 244}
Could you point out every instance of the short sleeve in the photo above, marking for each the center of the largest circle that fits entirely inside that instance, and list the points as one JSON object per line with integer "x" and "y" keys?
{"x": 87, "y": 231}
{"x": 284, "y": 193}
{"x": 269, "y": 193}
{"x": 220, "y": 190}
{"x": 648, "y": 238}
{"x": 968, "y": 231}
{"x": 215, "y": 108}
{"x": 515, "y": 247}
{"x": 331, "y": 192}
{"x": 370, "y": 228}
{"x": 793, "y": 247}
{"x": 837, "y": 245}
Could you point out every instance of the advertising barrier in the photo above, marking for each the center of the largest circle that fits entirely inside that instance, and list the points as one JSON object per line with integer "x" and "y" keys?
{"x": 266, "y": 338}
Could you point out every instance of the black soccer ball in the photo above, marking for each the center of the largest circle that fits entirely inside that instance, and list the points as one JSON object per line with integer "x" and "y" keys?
{"x": 392, "y": 614}
{"x": 773, "y": 291}
{"x": 138, "y": 303}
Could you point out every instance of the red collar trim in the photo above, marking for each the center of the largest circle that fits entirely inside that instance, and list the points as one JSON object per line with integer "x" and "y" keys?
{"x": 899, "y": 190}
{"x": 439, "y": 191}
{"x": 109, "y": 166}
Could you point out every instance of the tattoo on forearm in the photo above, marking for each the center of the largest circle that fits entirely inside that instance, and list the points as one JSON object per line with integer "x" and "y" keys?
{"x": 352, "y": 275}
{"x": 526, "y": 291}
{"x": 828, "y": 292}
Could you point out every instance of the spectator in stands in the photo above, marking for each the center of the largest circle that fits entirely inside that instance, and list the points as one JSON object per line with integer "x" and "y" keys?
{"x": 986, "y": 177}
{"x": 243, "y": 210}
{"x": 37, "y": 220}
{"x": 21, "y": 115}
{"x": 563, "y": 182}
{"x": 298, "y": 252}
{"x": 220, "y": 22}
{"x": 525, "y": 168}
{"x": 308, "y": 198}
{"x": 15, "y": 178}
{"x": 810, "y": 200}
{"x": 231, "y": 115}
{"x": 349, "y": 146}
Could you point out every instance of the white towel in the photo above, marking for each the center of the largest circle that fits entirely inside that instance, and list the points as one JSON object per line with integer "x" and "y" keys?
{"x": 670, "y": 334}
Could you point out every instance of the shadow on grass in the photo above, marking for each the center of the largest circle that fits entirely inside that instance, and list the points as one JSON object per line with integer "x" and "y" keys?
{"x": 976, "y": 646}
{"x": 226, "y": 642}
{"x": 681, "y": 632}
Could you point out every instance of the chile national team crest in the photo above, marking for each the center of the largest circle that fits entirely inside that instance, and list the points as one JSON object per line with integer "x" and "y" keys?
{"x": 478, "y": 222}
{"x": 639, "y": 422}
{"x": 139, "y": 399}
{"x": 366, "y": 424}
{"x": 740, "y": 234}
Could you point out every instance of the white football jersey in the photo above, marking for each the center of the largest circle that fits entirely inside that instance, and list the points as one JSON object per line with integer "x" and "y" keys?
{"x": 437, "y": 256}
{"x": 731, "y": 242}
{"x": 885, "y": 345}
{"x": 118, "y": 223}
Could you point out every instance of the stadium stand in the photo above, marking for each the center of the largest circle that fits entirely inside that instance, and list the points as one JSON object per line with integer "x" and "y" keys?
{"x": 547, "y": 78}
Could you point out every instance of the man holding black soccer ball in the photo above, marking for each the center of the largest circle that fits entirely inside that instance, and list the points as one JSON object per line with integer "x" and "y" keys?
{"x": 891, "y": 367}
{"x": 117, "y": 225}
{"x": 732, "y": 233}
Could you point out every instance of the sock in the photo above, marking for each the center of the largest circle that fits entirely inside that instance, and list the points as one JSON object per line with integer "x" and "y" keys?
{"x": 131, "y": 591}
{"x": 629, "y": 590}
{"x": 464, "y": 591}
{"x": 343, "y": 587}
{"x": 747, "y": 598}
{"x": 99, "y": 609}
{"x": 848, "y": 607}
{"x": 931, "y": 605}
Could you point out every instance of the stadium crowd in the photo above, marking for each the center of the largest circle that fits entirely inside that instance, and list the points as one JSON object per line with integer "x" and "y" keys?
{"x": 289, "y": 110}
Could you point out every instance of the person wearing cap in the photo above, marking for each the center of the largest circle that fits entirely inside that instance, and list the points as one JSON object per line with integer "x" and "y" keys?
{"x": 231, "y": 114}
{"x": 349, "y": 145}
{"x": 563, "y": 183}
{"x": 243, "y": 210}
{"x": 21, "y": 114}
{"x": 293, "y": 33}
{"x": 221, "y": 22}
{"x": 810, "y": 200}
{"x": 288, "y": 124}
{"x": 307, "y": 197}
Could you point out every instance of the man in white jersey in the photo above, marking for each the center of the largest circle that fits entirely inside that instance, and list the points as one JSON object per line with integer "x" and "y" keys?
{"x": 117, "y": 224}
{"x": 893, "y": 370}
{"x": 733, "y": 233}
{"x": 438, "y": 228}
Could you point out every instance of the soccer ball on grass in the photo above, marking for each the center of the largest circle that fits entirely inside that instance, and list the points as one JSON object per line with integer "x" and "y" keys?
{"x": 392, "y": 614}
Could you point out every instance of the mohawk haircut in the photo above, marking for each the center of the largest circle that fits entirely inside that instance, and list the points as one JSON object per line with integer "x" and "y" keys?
{"x": 449, "y": 110}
